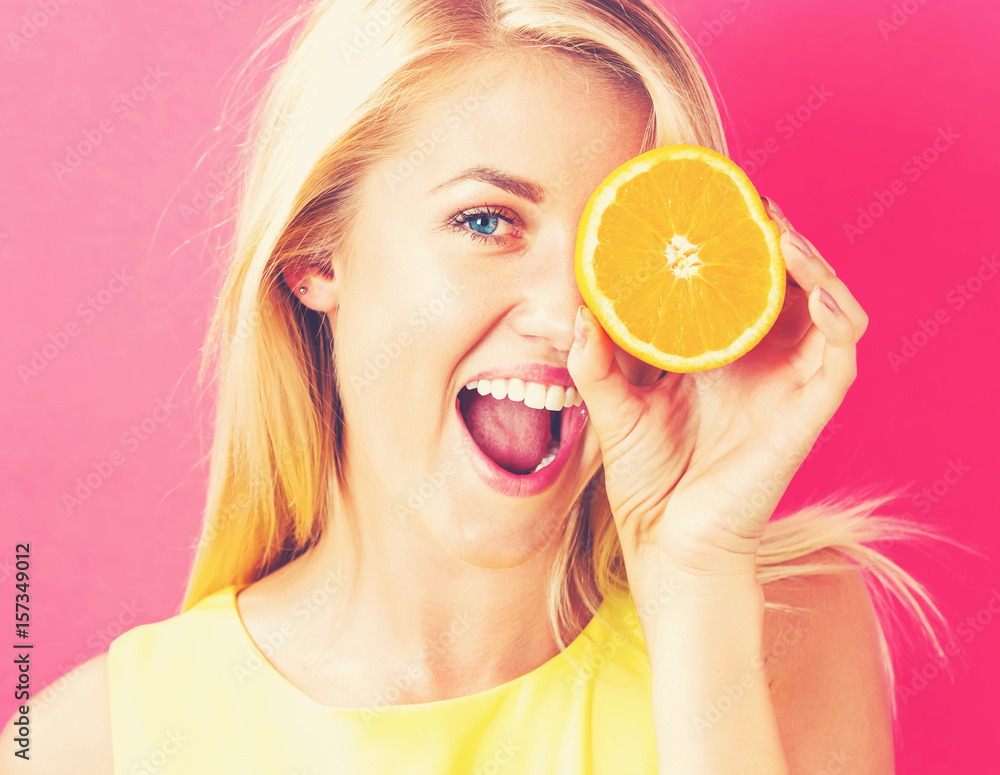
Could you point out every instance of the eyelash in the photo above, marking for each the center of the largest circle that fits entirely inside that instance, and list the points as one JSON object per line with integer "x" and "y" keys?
{"x": 465, "y": 216}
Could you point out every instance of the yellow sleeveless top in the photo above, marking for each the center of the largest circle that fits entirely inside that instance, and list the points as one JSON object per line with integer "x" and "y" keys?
{"x": 193, "y": 694}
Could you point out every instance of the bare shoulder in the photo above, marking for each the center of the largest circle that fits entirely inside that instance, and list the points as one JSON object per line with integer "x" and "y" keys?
{"x": 826, "y": 673}
{"x": 839, "y": 594}
{"x": 71, "y": 733}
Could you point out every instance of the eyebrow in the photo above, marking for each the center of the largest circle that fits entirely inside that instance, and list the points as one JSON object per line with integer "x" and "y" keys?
{"x": 512, "y": 184}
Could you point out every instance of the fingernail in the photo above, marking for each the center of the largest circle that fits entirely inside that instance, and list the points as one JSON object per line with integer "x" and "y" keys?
{"x": 799, "y": 242}
{"x": 772, "y": 205}
{"x": 829, "y": 301}
{"x": 579, "y": 330}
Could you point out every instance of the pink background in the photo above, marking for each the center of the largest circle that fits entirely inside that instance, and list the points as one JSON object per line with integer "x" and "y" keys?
{"x": 136, "y": 205}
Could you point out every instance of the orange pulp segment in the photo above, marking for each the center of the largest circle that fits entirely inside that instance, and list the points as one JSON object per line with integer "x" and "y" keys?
{"x": 678, "y": 260}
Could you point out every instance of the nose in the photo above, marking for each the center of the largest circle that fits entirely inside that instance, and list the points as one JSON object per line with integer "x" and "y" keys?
{"x": 549, "y": 296}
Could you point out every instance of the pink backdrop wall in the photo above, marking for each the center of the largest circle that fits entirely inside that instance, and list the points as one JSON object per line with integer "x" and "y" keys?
{"x": 872, "y": 124}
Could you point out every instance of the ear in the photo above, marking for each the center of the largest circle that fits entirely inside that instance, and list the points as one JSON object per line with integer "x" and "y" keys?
{"x": 318, "y": 290}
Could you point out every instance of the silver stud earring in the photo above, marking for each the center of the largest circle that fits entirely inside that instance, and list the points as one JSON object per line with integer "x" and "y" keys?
{"x": 302, "y": 289}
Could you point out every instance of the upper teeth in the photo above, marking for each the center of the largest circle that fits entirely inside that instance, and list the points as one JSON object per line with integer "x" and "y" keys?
{"x": 533, "y": 394}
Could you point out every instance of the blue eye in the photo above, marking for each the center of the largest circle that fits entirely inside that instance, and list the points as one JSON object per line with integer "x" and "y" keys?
{"x": 477, "y": 221}
{"x": 483, "y": 223}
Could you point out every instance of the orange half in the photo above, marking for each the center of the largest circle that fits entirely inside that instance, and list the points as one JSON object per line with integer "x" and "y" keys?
{"x": 678, "y": 260}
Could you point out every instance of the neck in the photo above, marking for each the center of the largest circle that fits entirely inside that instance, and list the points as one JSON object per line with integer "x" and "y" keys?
{"x": 409, "y": 612}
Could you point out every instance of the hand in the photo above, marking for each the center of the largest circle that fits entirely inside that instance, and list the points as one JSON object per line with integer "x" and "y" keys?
{"x": 695, "y": 464}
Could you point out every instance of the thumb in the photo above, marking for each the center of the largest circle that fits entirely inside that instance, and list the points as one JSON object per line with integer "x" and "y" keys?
{"x": 613, "y": 407}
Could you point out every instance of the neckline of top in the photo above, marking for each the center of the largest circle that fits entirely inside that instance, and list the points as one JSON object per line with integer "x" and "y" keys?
{"x": 570, "y": 653}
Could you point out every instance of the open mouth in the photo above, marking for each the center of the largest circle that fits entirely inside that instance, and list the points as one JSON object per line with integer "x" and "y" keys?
{"x": 521, "y": 426}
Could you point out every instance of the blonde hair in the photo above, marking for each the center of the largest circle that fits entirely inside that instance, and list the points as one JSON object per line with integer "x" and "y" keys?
{"x": 344, "y": 97}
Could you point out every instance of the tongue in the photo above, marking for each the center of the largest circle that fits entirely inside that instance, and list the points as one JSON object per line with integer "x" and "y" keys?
{"x": 515, "y": 436}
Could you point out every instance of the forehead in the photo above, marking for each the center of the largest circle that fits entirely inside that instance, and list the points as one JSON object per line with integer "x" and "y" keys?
{"x": 531, "y": 113}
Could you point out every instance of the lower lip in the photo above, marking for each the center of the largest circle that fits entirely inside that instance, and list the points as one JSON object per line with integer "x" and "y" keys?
{"x": 506, "y": 483}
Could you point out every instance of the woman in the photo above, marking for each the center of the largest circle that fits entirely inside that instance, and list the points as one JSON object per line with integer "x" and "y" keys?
{"x": 402, "y": 571}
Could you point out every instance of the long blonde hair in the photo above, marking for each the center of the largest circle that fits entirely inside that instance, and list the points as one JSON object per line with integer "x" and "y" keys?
{"x": 345, "y": 96}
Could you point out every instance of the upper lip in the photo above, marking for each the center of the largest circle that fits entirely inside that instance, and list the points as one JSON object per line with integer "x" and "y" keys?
{"x": 529, "y": 372}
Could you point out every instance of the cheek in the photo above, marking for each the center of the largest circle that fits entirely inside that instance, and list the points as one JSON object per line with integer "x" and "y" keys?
{"x": 397, "y": 346}
{"x": 366, "y": 342}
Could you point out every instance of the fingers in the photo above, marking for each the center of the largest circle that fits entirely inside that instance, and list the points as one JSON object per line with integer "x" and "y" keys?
{"x": 827, "y": 354}
{"x": 809, "y": 269}
{"x": 613, "y": 407}
{"x": 833, "y": 343}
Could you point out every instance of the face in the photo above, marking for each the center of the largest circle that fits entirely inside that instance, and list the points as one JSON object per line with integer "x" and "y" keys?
{"x": 459, "y": 277}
